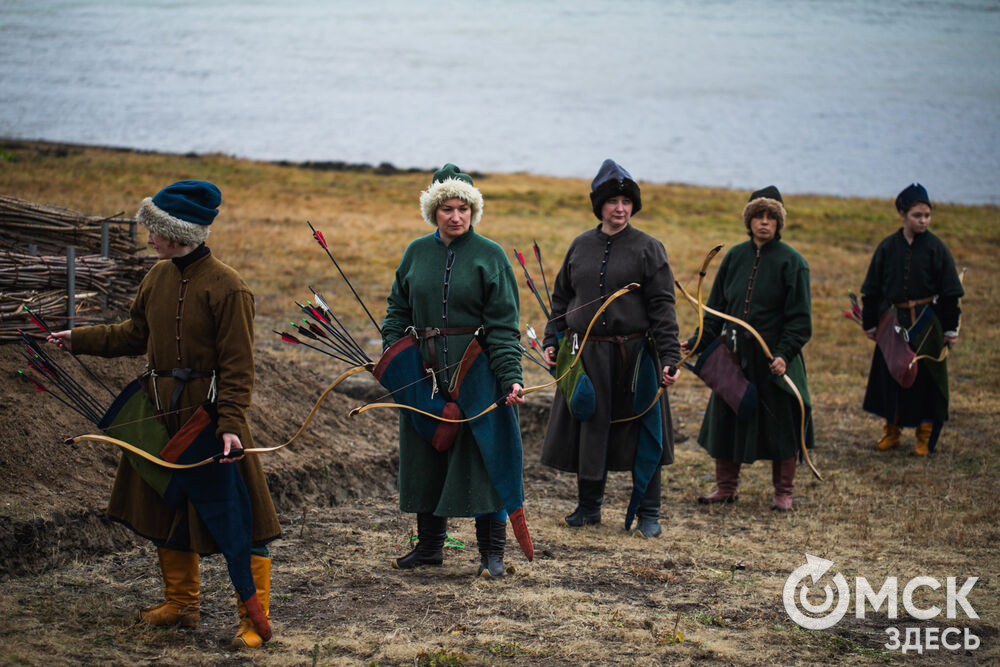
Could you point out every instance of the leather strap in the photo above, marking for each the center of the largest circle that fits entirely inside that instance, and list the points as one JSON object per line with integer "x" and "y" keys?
{"x": 182, "y": 377}
{"x": 620, "y": 340}
{"x": 430, "y": 333}
{"x": 912, "y": 304}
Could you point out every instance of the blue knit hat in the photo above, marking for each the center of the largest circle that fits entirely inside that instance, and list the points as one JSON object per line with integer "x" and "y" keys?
{"x": 611, "y": 181}
{"x": 181, "y": 212}
{"x": 914, "y": 193}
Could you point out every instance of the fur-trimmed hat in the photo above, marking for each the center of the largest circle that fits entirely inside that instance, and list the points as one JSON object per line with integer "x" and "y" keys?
{"x": 449, "y": 182}
{"x": 765, "y": 199}
{"x": 914, "y": 193}
{"x": 611, "y": 181}
{"x": 181, "y": 212}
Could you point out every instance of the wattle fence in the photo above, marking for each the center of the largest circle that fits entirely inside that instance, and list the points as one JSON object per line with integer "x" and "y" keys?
{"x": 66, "y": 267}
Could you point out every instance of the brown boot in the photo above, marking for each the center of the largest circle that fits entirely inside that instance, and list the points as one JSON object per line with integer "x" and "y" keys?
{"x": 251, "y": 634}
{"x": 783, "y": 478}
{"x": 180, "y": 590}
{"x": 890, "y": 437}
{"x": 727, "y": 478}
{"x": 924, "y": 432}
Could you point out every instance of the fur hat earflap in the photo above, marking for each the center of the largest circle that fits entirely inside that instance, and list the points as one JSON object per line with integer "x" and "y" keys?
{"x": 448, "y": 183}
{"x": 765, "y": 199}
{"x": 181, "y": 212}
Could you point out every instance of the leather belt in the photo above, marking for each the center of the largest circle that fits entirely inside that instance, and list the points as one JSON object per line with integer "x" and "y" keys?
{"x": 621, "y": 340}
{"x": 430, "y": 333}
{"x": 182, "y": 377}
{"x": 617, "y": 339}
{"x": 912, "y": 304}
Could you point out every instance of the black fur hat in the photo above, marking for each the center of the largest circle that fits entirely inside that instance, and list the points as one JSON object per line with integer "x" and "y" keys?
{"x": 612, "y": 180}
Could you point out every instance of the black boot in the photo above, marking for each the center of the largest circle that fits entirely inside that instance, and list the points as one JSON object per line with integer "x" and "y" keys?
{"x": 430, "y": 540}
{"x": 492, "y": 537}
{"x": 649, "y": 508}
{"x": 588, "y": 509}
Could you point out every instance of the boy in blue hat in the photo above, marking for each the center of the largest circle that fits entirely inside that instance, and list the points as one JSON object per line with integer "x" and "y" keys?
{"x": 193, "y": 319}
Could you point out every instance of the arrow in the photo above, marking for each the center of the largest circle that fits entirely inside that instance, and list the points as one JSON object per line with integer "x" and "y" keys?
{"x": 41, "y": 325}
{"x": 531, "y": 284}
{"x": 541, "y": 267}
{"x": 318, "y": 235}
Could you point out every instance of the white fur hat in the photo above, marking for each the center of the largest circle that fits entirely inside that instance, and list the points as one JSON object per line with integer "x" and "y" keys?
{"x": 448, "y": 183}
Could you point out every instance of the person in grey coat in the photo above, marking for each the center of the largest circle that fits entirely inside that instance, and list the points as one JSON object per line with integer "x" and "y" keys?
{"x": 633, "y": 343}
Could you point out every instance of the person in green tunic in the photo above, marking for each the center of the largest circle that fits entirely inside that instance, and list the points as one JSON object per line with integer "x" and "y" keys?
{"x": 912, "y": 278}
{"x": 764, "y": 282}
{"x": 449, "y": 285}
{"x": 191, "y": 313}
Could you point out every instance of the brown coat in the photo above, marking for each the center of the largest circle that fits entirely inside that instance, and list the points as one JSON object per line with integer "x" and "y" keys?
{"x": 200, "y": 318}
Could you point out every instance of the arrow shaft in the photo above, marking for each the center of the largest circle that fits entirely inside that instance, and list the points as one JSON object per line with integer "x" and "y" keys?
{"x": 346, "y": 279}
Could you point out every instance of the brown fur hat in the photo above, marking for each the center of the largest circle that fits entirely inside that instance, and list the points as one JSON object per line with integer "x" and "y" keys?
{"x": 765, "y": 199}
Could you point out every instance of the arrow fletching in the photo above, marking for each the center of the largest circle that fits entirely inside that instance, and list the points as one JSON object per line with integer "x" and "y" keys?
{"x": 318, "y": 235}
{"x": 36, "y": 320}
{"x": 287, "y": 337}
{"x": 303, "y": 331}
{"x": 320, "y": 300}
{"x": 38, "y": 385}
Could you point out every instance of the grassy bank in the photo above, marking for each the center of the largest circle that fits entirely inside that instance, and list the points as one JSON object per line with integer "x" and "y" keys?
{"x": 593, "y": 596}
{"x": 368, "y": 219}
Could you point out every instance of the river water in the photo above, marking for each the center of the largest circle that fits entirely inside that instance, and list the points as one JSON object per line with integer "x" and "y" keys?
{"x": 844, "y": 97}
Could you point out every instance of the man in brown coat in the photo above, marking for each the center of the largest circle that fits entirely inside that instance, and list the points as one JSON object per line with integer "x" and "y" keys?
{"x": 193, "y": 319}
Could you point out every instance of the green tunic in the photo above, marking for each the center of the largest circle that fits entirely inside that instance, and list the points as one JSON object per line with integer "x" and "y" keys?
{"x": 467, "y": 283}
{"x": 201, "y": 318}
{"x": 769, "y": 289}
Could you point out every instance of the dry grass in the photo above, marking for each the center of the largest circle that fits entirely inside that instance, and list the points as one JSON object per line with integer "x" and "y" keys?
{"x": 592, "y": 596}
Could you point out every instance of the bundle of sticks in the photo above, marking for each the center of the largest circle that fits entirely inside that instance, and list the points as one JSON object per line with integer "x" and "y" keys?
{"x": 39, "y": 280}
{"x": 51, "y": 229}
{"x": 51, "y": 304}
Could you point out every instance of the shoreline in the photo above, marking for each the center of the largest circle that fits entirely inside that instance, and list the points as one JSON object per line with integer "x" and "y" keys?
{"x": 63, "y": 148}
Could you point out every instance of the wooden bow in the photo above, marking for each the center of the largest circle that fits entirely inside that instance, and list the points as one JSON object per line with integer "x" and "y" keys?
{"x": 503, "y": 399}
{"x": 944, "y": 350}
{"x": 94, "y": 437}
{"x": 770, "y": 357}
{"x": 701, "y": 321}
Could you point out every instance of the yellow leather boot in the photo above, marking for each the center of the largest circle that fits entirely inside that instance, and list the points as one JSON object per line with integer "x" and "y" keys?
{"x": 890, "y": 437}
{"x": 923, "y": 438}
{"x": 249, "y": 635}
{"x": 180, "y": 590}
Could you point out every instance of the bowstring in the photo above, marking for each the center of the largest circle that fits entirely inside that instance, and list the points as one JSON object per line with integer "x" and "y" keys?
{"x": 316, "y": 374}
{"x": 459, "y": 362}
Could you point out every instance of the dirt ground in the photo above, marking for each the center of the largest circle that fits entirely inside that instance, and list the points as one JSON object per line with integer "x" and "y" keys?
{"x": 707, "y": 592}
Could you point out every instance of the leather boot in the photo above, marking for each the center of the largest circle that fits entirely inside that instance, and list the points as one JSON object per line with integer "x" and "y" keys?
{"x": 648, "y": 513}
{"x": 431, "y": 532}
{"x": 924, "y": 432}
{"x": 180, "y": 590}
{"x": 890, "y": 437}
{"x": 250, "y": 635}
{"x": 727, "y": 478}
{"x": 492, "y": 538}
{"x": 588, "y": 508}
{"x": 783, "y": 478}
